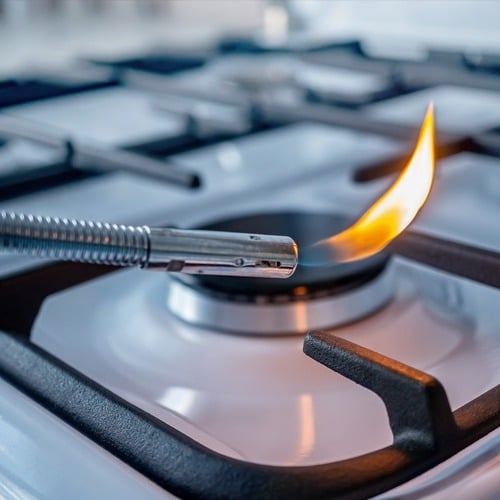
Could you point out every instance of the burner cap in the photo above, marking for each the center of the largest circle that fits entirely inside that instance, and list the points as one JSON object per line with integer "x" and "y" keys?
{"x": 207, "y": 300}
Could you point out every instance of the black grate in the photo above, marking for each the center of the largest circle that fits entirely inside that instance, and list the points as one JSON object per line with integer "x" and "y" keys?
{"x": 425, "y": 430}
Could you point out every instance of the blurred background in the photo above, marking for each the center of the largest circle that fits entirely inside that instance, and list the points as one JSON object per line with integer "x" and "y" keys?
{"x": 53, "y": 31}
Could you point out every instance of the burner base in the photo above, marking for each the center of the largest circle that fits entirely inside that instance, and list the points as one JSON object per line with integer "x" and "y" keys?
{"x": 313, "y": 297}
{"x": 281, "y": 316}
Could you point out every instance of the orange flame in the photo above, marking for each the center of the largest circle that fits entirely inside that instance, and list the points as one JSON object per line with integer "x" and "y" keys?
{"x": 395, "y": 209}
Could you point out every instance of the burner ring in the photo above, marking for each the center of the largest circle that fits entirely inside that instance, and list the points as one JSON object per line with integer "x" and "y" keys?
{"x": 311, "y": 298}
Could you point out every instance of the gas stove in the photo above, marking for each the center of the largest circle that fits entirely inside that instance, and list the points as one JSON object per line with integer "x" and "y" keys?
{"x": 377, "y": 377}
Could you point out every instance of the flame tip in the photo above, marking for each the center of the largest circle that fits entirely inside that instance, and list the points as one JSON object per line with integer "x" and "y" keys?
{"x": 395, "y": 209}
{"x": 429, "y": 114}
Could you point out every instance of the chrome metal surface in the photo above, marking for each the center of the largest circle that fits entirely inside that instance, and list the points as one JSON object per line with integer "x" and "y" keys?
{"x": 207, "y": 119}
{"x": 175, "y": 250}
{"x": 93, "y": 156}
{"x": 222, "y": 253}
{"x": 285, "y": 318}
{"x": 73, "y": 240}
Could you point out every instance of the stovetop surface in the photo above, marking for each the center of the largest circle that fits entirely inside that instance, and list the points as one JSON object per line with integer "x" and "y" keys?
{"x": 317, "y": 120}
{"x": 117, "y": 330}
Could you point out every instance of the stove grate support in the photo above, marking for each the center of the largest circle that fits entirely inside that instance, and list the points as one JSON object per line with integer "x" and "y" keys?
{"x": 425, "y": 430}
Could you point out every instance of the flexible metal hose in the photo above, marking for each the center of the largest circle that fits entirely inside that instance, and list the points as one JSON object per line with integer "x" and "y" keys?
{"x": 74, "y": 240}
{"x": 165, "y": 249}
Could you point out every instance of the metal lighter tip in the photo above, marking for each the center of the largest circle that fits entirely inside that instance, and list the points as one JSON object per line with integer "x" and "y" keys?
{"x": 173, "y": 250}
{"x": 222, "y": 253}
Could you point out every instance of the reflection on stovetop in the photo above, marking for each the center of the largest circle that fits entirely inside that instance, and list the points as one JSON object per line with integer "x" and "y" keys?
{"x": 305, "y": 132}
{"x": 133, "y": 346}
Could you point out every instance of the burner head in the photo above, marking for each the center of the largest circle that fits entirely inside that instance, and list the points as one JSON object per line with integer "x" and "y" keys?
{"x": 305, "y": 229}
{"x": 330, "y": 295}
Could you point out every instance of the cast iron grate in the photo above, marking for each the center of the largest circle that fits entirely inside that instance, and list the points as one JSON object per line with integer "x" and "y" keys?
{"x": 424, "y": 428}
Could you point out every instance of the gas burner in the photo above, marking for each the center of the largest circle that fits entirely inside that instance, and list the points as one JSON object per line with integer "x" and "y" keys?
{"x": 314, "y": 297}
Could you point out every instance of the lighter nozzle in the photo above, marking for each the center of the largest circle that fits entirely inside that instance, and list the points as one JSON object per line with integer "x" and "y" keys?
{"x": 174, "y": 250}
{"x": 222, "y": 253}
